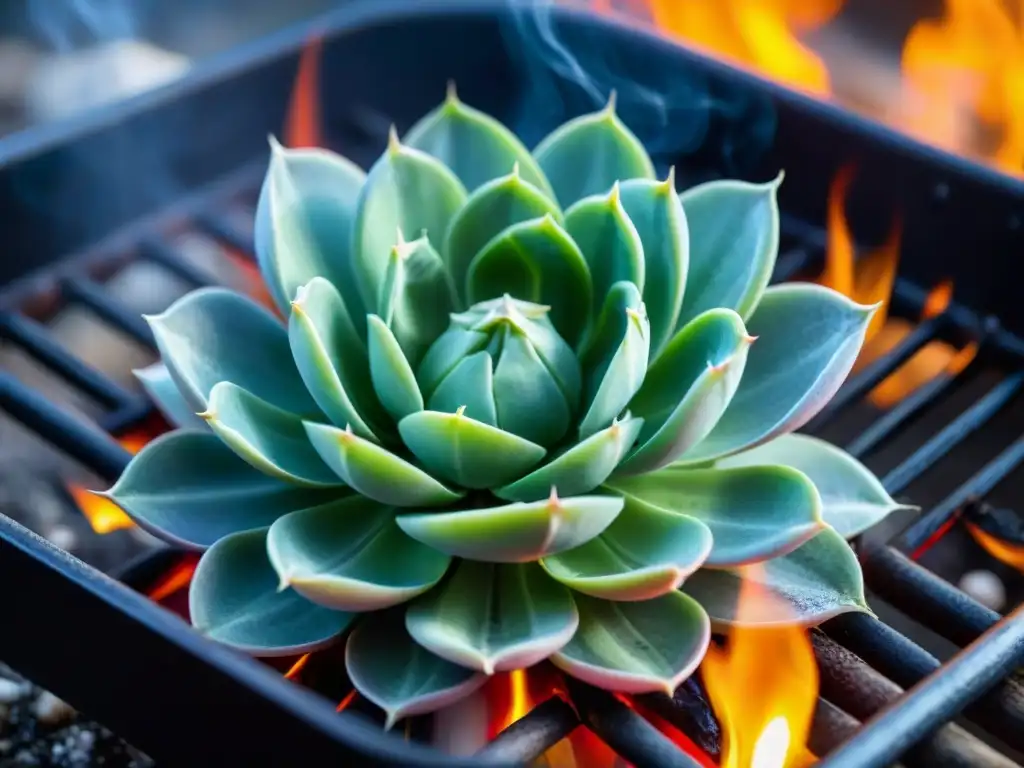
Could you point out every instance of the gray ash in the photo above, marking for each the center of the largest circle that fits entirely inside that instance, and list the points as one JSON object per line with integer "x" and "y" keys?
{"x": 37, "y": 729}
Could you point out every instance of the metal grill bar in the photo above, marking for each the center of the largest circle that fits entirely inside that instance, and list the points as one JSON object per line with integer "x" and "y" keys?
{"x": 154, "y": 645}
{"x": 906, "y": 409}
{"x": 936, "y": 699}
{"x": 626, "y": 731}
{"x": 948, "y": 438}
{"x": 37, "y": 341}
{"x": 1001, "y": 710}
{"x": 977, "y": 486}
{"x": 859, "y": 386}
{"x": 935, "y": 602}
{"x": 218, "y": 228}
{"x": 856, "y": 688}
{"x": 160, "y": 252}
{"x": 535, "y": 733}
{"x": 96, "y": 298}
{"x": 83, "y": 442}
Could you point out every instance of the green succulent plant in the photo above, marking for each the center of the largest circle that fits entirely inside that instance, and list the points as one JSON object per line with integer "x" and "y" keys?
{"x": 514, "y": 411}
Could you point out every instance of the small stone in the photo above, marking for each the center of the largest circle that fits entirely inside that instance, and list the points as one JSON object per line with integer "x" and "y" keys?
{"x": 49, "y": 709}
{"x": 985, "y": 587}
{"x": 5, "y": 746}
{"x": 62, "y": 536}
{"x": 11, "y": 691}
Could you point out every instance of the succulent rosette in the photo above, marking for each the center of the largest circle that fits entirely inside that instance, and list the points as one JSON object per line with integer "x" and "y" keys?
{"x": 514, "y": 406}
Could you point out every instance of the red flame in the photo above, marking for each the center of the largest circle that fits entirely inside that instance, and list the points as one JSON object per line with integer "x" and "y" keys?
{"x": 302, "y": 126}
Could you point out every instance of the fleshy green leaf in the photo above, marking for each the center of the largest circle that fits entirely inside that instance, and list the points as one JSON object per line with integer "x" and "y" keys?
{"x": 734, "y": 240}
{"x": 615, "y": 362}
{"x": 160, "y": 387}
{"x": 474, "y": 145}
{"x": 376, "y": 473}
{"x": 332, "y": 360}
{"x": 688, "y": 388}
{"x": 272, "y": 440}
{"x": 304, "y": 221}
{"x": 189, "y": 488}
{"x": 557, "y": 355}
{"x": 470, "y": 386}
{"x": 656, "y": 212}
{"x": 406, "y": 190}
{"x": 417, "y": 296}
{"x": 813, "y": 583}
{"x": 645, "y": 553}
{"x": 852, "y": 498}
{"x": 808, "y": 339}
{"x": 515, "y": 533}
{"x": 535, "y": 260}
{"x": 400, "y": 676}
{"x": 578, "y": 470}
{"x": 494, "y": 617}
{"x": 636, "y": 647}
{"x": 351, "y": 556}
{"x": 448, "y": 351}
{"x": 588, "y": 154}
{"x": 609, "y": 242}
{"x": 468, "y": 452}
{"x": 528, "y": 398}
{"x": 493, "y": 207}
{"x": 391, "y": 373}
{"x": 207, "y": 336}
{"x": 753, "y": 512}
{"x": 234, "y": 600}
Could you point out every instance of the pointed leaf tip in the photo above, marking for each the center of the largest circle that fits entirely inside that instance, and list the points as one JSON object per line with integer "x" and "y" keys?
{"x": 234, "y": 600}
{"x": 399, "y": 675}
{"x": 494, "y": 617}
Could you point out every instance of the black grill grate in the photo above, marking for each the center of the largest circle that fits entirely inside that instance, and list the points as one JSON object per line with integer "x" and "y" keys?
{"x": 883, "y": 696}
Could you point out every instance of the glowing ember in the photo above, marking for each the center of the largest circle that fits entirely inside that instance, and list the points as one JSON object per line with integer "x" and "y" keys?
{"x": 760, "y": 34}
{"x": 1003, "y": 551}
{"x": 175, "y": 580}
{"x": 296, "y": 669}
{"x": 763, "y": 687}
{"x": 105, "y": 516}
{"x": 346, "y": 702}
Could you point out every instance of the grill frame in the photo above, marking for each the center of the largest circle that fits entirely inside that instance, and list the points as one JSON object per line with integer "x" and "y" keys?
{"x": 219, "y": 698}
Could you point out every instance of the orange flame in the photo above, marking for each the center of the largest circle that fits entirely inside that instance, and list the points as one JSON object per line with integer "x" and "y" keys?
{"x": 959, "y": 84}
{"x": 346, "y": 702}
{"x": 1003, "y": 551}
{"x": 176, "y": 579}
{"x": 105, "y": 516}
{"x": 302, "y": 124}
{"x": 870, "y": 279}
{"x": 964, "y": 81}
{"x": 758, "y": 34}
{"x": 763, "y": 686}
